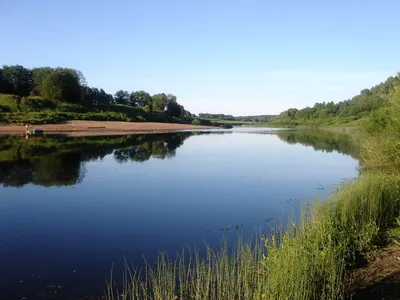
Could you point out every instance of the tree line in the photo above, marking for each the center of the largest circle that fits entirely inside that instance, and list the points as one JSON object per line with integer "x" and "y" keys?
{"x": 362, "y": 105}
{"x": 69, "y": 85}
{"x": 259, "y": 118}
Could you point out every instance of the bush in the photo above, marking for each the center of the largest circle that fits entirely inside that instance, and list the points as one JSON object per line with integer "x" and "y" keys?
{"x": 196, "y": 122}
{"x": 36, "y": 104}
{"x": 70, "y": 107}
{"x": 382, "y": 147}
{"x": 9, "y": 103}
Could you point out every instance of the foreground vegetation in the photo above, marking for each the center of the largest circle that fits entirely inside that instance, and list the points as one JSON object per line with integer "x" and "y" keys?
{"x": 306, "y": 260}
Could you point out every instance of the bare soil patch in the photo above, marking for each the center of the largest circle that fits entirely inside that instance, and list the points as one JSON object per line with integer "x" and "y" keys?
{"x": 379, "y": 278}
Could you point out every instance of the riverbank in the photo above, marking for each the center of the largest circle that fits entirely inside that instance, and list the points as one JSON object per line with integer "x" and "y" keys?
{"x": 92, "y": 128}
{"x": 313, "y": 258}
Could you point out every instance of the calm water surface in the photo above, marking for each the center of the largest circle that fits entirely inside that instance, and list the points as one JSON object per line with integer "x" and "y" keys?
{"x": 70, "y": 207}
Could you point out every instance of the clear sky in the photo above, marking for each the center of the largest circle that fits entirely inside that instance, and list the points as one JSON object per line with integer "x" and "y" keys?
{"x": 236, "y": 57}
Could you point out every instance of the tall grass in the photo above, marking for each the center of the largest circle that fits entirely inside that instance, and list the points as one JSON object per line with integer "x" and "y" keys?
{"x": 225, "y": 274}
{"x": 306, "y": 261}
{"x": 309, "y": 260}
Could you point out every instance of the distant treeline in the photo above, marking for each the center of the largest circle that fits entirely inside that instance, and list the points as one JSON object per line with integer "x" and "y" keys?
{"x": 369, "y": 100}
{"x": 69, "y": 86}
{"x": 260, "y": 118}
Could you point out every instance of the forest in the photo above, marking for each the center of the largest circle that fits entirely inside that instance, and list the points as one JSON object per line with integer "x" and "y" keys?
{"x": 367, "y": 102}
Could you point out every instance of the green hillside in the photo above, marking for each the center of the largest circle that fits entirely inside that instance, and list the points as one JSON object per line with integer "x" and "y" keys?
{"x": 349, "y": 111}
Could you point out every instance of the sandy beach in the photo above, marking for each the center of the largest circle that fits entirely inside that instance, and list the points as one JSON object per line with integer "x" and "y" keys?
{"x": 91, "y": 128}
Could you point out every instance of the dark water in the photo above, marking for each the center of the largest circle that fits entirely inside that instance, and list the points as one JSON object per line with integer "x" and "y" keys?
{"x": 70, "y": 207}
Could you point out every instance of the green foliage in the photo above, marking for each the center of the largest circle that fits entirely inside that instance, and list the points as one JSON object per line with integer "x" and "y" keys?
{"x": 94, "y": 96}
{"x": 196, "y": 122}
{"x": 5, "y": 85}
{"x": 9, "y": 103}
{"x": 16, "y": 80}
{"x": 240, "y": 119}
{"x": 174, "y": 109}
{"x": 121, "y": 97}
{"x": 360, "y": 106}
{"x": 39, "y": 75}
{"x": 382, "y": 144}
{"x": 35, "y": 103}
{"x": 71, "y": 107}
{"x": 222, "y": 275}
{"x": 159, "y": 101}
{"x": 68, "y": 96}
{"x": 62, "y": 85}
{"x": 140, "y": 99}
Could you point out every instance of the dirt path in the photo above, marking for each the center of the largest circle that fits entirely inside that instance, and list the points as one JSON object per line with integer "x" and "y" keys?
{"x": 380, "y": 278}
{"x": 89, "y": 128}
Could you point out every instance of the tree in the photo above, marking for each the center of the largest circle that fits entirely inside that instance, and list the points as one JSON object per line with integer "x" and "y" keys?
{"x": 62, "y": 85}
{"x": 139, "y": 99}
{"x": 19, "y": 79}
{"x": 121, "y": 97}
{"x": 104, "y": 99}
{"x": 5, "y": 85}
{"x": 171, "y": 97}
{"x": 39, "y": 75}
{"x": 159, "y": 102}
{"x": 174, "y": 109}
{"x": 94, "y": 96}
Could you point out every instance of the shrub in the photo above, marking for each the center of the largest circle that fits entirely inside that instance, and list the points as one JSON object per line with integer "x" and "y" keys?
{"x": 36, "y": 103}
{"x": 196, "y": 122}
{"x": 71, "y": 107}
{"x": 9, "y": 103}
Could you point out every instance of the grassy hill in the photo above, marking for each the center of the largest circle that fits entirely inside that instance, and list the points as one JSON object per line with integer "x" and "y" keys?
{"x": 36, "y": 110}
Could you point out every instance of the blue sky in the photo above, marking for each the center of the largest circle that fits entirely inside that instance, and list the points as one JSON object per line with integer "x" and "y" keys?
{"x": 235, "y": 57}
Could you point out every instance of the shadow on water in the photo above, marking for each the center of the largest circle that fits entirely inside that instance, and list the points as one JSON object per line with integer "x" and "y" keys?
{"x": 325, "y": 141}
